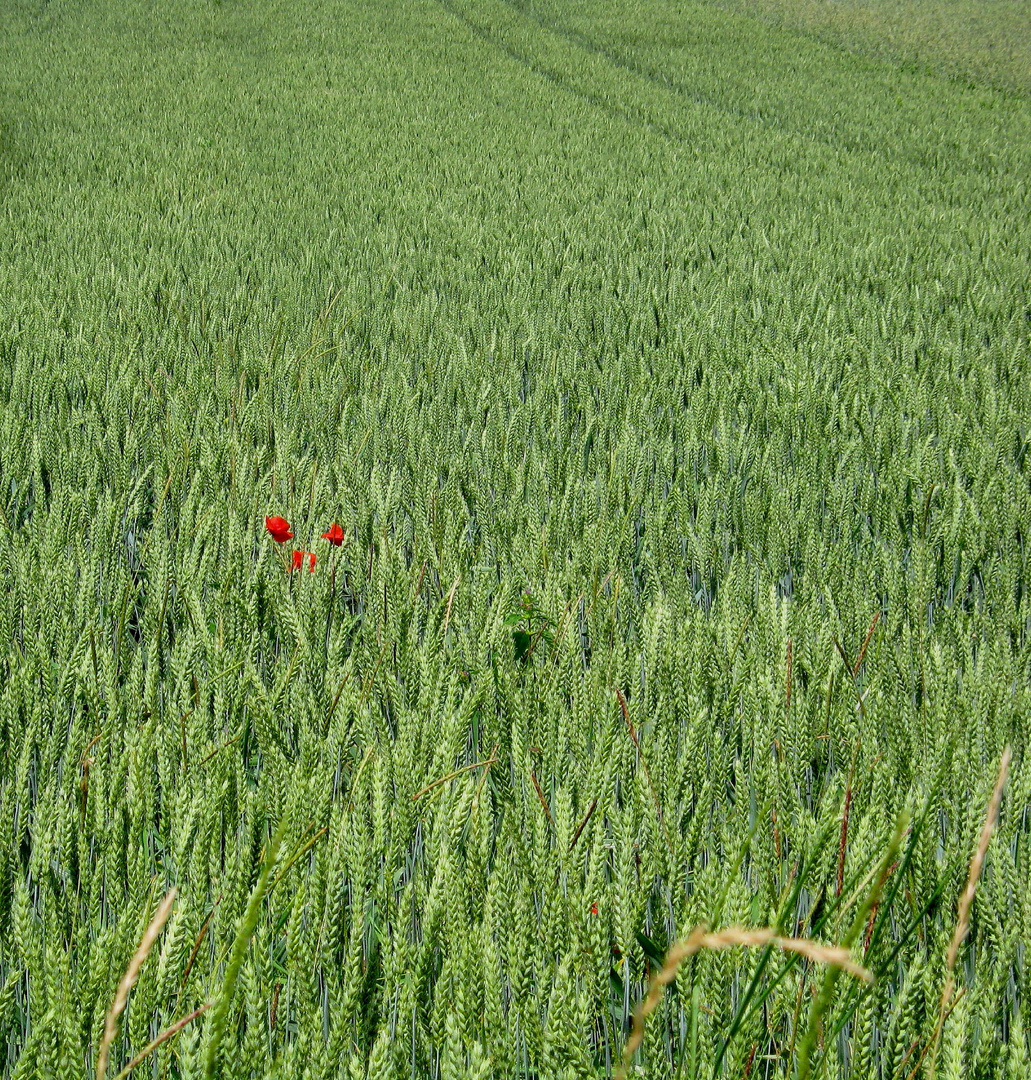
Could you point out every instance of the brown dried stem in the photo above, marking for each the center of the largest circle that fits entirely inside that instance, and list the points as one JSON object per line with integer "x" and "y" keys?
{"x": 644, "y": 768}
{"x": 150, "y": 935}
{"x": 966, "y": 900}
{"x": 450, "y": 600}
{"x": 452, "y": 775}
{"x": 581, "y": 826}
{"x": 540, "y": 795}
{"x": 866, "y": 641}
{"x": 163, "y": 1037}
{"x": 701, "y": 938}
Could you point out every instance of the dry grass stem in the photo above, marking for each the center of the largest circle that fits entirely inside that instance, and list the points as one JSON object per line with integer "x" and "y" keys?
{"x": 418, "y": 584}
{"x": 450, "y": 600}
{"x": 540, "y": 795}
{"x": 196, "y": 949}
{"x": 966, "y": 901}
{"x": 150, "y": 935}
{"x": 218, "y": 749}
{"x": 702, "y": 938}
{"x": 977, "y": 863}
{"x": 957, "y": 998}
{"x": 583, "y": 824}
{"x": 866, "y": 642}
{"x": 832, "y": 955}
{"x": 492, "y": 760}
{"x": 340, "y": 690}
{"x": 163, "y": 1037}
{"x": 452, "y": 775}
{"x": 644, "y": 768}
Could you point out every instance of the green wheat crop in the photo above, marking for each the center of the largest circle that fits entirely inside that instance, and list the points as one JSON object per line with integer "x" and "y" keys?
{"x": 668, "y": 372}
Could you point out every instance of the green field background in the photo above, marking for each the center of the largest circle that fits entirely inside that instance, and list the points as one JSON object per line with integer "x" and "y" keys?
{"x": 667, "y": 366}
{"x": 987, "y": 41}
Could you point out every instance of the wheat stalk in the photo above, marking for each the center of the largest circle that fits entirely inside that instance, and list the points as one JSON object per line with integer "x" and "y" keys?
{"x": 243, "y": 935}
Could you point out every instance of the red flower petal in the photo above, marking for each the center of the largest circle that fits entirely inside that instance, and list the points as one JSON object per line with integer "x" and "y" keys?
{"x": 335, "y": 535}
{"x": 279, "y": 528}
{"x": 311, "y": 561}
{"x": 298, "y": 560}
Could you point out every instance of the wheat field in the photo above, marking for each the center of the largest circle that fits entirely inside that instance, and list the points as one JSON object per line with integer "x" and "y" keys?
{"x": 514, "y": 554}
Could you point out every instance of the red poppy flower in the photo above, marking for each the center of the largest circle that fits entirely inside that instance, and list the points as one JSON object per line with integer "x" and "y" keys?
{"x": 279, "y": 528}
{"x": 298, "y": 560}
{"x": 594, "y": 909}
{"x": 335, "y": 534}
